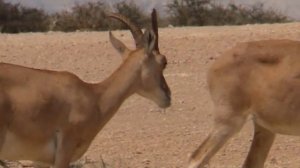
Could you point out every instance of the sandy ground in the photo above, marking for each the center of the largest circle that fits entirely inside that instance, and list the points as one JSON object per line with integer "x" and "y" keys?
{"x": 141, "y": 135}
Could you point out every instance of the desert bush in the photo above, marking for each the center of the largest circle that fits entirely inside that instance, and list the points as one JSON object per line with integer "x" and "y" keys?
{"x": 237, "y": 15}
{"x": 133, "y": 12}
{"x": 258, "y": 14}
{"x": 91, "y": 16}
{"x": 188, "y": 12}
{"x": 88, "y": 16}
{"x": 206, "y": 12}
{"x": 15, "y": 18}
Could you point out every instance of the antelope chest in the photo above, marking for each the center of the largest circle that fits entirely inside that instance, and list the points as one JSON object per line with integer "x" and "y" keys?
{"x": 15, "y": 147}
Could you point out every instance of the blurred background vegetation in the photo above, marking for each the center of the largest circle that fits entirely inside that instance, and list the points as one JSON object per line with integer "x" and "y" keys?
{"x": 90, "y": 16}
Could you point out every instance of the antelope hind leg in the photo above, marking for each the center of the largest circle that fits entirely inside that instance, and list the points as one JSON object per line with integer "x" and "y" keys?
{"x": 224, "y": 129}
{"x": 262, "y": 142}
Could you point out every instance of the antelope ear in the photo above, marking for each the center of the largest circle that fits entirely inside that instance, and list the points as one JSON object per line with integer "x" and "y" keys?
{"x": 118, "y": 45}
{"x": 149, "y": 39}
{"x": 155, "y": 28}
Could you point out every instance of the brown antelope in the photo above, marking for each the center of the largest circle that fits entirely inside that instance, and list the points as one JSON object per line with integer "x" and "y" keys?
{"x": 261, "y": 79}
{"x": 52, "y": 117}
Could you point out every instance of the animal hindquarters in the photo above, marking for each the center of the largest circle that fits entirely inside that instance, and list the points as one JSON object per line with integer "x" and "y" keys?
{"x": 231, "y": 110}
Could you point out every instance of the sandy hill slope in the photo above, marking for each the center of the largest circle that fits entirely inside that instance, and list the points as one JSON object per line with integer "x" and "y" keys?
{"x": 141, "y": 135}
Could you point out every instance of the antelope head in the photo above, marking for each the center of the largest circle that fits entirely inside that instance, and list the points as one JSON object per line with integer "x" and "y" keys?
{"x": 151, "y": 82}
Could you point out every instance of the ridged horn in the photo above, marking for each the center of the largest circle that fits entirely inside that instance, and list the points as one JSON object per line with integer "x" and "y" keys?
{"x": 155, "y": 28}
{"x": 135, "y": 30}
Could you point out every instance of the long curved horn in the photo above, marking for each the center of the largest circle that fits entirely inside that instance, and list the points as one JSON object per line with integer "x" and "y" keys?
{"x": 155, "y": 28}
{"x": 135, "y": 30}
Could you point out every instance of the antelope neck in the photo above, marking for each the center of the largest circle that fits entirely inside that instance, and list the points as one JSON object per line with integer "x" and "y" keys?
{"x": 120, "y": 85}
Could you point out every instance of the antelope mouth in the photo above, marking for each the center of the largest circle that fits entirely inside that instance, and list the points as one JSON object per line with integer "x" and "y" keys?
{"x": 165, "y": 103}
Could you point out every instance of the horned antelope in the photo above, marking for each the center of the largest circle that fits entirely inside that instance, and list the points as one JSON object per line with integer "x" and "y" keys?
{"x": 259, "y": 79}
{"x": 52, "y": 117}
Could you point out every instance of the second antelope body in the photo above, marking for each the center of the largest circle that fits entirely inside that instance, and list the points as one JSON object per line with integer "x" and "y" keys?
{"x": 262, "y": 79}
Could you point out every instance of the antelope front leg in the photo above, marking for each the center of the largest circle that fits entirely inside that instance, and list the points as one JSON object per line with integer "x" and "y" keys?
{"x": 65, "y": 147}
{"x": 262, "y": 142}
{"x": 223, "y": 130}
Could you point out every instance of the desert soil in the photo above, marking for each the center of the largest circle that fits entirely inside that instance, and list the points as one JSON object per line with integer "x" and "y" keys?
{"x": 141, "y": 135}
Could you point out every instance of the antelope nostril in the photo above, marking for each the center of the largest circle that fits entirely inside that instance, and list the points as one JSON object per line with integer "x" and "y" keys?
{"x": 165, "y": 88}
{"x": 168, "y": 94}
{"x": 167, "y": 91}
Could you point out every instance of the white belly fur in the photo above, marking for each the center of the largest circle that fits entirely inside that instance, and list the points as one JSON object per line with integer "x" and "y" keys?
{"x": 14, "y": 148}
